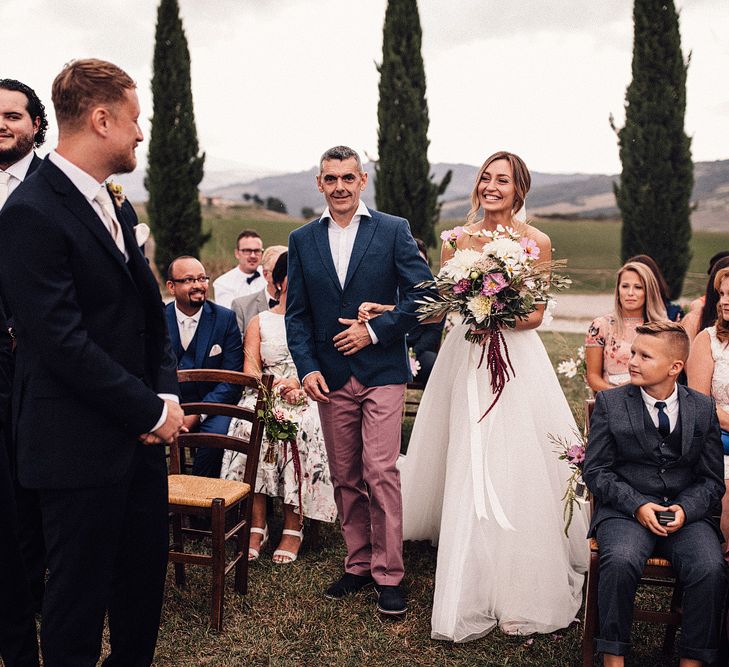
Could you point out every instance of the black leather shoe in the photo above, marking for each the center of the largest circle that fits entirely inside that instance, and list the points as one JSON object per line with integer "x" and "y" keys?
{"x": 348, "y": 584}
{"x": 390, "y": 600}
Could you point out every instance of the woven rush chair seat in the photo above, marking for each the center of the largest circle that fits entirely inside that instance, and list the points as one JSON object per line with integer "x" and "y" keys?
{"x": 201, "y": 491}
{"x": 223, "y": 505}
{"x": 652, "y": 562}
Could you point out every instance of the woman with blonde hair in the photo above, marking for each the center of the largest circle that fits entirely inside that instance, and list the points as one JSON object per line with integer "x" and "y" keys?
{"x": 607, "y": 344}
{"x": 708, "y": 372}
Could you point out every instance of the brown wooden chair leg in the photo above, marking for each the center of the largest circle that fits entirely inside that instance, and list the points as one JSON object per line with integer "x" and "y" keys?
{"x": 178, "y": 539}
{"x": 670, "y": 636}
{"x": 243, "y": 541}
{"x": 590, "y": 623}
{"x": 313, "y": 535}
{"x": 218, "y": 548}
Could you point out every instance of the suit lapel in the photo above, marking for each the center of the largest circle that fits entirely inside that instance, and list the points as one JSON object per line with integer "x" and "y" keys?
{"x": 321, "y": 236}
{"x": 365, "y": 232}
{"x": 204, "y": 331}
{"x": 687, "y": 413}
{"x": 174, "y": 331}
{"x": 77, "y": 204}
{"x": 34, "y": 164}
{"x": 634, "y": 404}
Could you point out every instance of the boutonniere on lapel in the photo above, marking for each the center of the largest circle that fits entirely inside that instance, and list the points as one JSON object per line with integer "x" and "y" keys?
{"x": 116, "y": 191}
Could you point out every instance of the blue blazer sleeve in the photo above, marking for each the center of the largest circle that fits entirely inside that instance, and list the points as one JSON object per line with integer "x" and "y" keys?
{"x": 223, "y": 392}
{"x": 299, "y": 327}
{"x": 412, "y": 269}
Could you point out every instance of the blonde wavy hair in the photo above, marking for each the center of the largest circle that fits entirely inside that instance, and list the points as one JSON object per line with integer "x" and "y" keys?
{"x": 654, "y": 310}
{"x": 522, "y": 182}
{"x": 722, "y": 326}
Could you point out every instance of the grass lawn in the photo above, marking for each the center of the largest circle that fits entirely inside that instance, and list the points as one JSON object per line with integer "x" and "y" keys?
{"x": 591, "y": 247}
{"x": 285, "y": 621}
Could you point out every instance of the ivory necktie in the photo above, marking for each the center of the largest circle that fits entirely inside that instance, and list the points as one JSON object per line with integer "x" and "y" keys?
{"x": 104, "y": 201}
{"x": 187, "y": 332}
{"x": 4, "y": 181}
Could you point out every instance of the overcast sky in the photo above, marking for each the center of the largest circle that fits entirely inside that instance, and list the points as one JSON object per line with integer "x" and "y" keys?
{"x": 276, "y": 82}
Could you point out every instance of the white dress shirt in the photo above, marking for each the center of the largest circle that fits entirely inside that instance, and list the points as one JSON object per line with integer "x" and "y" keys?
{"x": 193, "y": 319}
{"x": 341, "y": 243}
{"x": 234, "y": 283}
{"x": 88, "y": 186}
{"x": 18, "y": 171}
{"x": 671, "y": 408}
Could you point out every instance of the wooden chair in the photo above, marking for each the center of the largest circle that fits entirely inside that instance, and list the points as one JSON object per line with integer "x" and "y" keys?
{"x": 657, "y": 572}
{"x": 227, "y": 504}
{"x": 412, "y": 403}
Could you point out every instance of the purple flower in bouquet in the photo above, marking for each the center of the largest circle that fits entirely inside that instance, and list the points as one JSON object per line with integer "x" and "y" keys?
{"x": 530, "y": 247}
{"x": 493, "y": 283}
{"x": 462, "y": 286}
{"x": 575, "y": 455}
{"x": 497, "y": 306}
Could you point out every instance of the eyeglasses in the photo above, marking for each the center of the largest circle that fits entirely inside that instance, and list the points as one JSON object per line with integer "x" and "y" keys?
{"x": 191, "y": 281}
{"x": 250, "y": 251}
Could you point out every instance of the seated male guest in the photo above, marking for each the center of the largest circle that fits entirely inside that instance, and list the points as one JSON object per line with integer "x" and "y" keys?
{"x": 248, "y": 306}
{"x": 655, "y": 447}
{"x": 203, "y": 335}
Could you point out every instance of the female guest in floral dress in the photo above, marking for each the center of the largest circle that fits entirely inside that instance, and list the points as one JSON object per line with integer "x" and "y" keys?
{"x": 266, "y": 351}
{"x": 708, "y": 372}
{"x": 608, "y": 340}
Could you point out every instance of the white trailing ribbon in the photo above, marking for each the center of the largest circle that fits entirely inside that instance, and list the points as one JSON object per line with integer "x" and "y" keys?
{"x": 483, "y": 487}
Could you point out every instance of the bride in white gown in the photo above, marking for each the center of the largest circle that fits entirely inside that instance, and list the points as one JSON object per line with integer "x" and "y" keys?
{"x": 489, "y": 494}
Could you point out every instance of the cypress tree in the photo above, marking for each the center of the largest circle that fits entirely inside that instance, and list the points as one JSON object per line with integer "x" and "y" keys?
{"x": 174, "y": 168}
{"x": 657, "y": 177}
{"x": 403, "y": 184}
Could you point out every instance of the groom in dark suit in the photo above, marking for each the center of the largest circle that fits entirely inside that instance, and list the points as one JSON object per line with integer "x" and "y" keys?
{"x": 95, "y": 379}
{"x": 357, "y": 372}
{"x": 203, "y": 335}
{"x": 655, "y": 447}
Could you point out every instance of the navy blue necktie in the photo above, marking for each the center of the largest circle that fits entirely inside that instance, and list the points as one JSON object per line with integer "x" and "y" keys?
{"x": 664, "y": 425}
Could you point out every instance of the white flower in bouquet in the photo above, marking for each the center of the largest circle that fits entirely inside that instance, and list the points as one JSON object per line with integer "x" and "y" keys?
{"x": 480, "y": 306}
{"x": 549, "y": 312}
{"x": 460, "y": 265}
{"x": 568, "y": 368}
{"x": 505, "y": 249}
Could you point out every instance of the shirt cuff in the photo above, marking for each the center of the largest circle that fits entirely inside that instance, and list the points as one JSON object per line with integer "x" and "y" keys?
{"x": 373, "y": 335}
{"x": 163, "y": 416}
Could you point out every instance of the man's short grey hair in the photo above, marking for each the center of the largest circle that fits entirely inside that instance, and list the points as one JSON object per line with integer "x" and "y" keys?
{"x": 340, "y": 153}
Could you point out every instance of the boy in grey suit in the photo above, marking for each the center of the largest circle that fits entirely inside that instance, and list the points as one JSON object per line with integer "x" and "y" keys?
{"x": 655, "y": 447}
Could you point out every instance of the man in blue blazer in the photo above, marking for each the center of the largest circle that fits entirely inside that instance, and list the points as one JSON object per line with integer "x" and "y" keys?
{"x": 357, "y": 372}
{"x": 654, "y": 465}
{"x": 203, "y": 335}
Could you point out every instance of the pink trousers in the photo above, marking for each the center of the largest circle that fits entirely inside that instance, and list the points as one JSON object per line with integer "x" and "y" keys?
{"x": 361, "y": 427}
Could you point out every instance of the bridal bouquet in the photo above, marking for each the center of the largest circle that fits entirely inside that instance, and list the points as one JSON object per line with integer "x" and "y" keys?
{"x": 576, "y": 491}
{"x": 491, "y": 289}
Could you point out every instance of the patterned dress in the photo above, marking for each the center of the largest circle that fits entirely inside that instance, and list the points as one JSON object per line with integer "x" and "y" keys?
{"x": 276, "y": 475}
{"x": 720, "y": 378}
{"x": 615, "y": 350}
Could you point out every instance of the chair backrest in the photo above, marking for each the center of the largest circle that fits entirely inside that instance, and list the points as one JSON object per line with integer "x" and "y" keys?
{"x": 589, "y": 409}
{"x": 250, "y": 447}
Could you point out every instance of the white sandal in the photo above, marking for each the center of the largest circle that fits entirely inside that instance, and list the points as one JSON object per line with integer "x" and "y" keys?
{"x": 253, "y": 554}
{"x": 282, "y": 552}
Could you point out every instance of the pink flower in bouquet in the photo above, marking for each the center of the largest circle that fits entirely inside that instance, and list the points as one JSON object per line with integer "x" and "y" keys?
{"x": 497, "y": 306}
{"x": 575, "y": 454}
{"x": 530, "y": 247}
{"x": 462, "y": 286}
{"x": 493, "y": 283}
{"x": 451, "y": 236}
{"x": 279, "y": 415}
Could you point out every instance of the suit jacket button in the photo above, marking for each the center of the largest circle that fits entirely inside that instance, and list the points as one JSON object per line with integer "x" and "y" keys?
{"x": 663, "y": 470}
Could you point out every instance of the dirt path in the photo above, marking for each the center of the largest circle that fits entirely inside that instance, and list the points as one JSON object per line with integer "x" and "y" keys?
{"x": 574, "y": 312}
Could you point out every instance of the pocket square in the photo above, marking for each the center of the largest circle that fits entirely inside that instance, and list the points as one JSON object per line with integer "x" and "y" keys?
{"x": 141, "y": 233}
{"x": 215, "y": 350}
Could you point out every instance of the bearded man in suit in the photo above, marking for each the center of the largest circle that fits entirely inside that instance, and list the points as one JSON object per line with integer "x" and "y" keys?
{"x": 95, "y": 379}
{"x": 654, "y": 465}
{"x": 203, "y": 335}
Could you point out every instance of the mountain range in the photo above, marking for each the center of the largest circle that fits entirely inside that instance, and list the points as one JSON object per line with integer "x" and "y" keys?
{"x": 565, "y": 195}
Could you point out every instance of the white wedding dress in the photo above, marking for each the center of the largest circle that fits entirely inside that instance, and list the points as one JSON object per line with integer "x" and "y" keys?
{"x": 489, "y": 494}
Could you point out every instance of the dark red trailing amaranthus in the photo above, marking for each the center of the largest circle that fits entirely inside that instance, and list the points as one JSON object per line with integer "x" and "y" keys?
{"x": 497, "y": 365}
